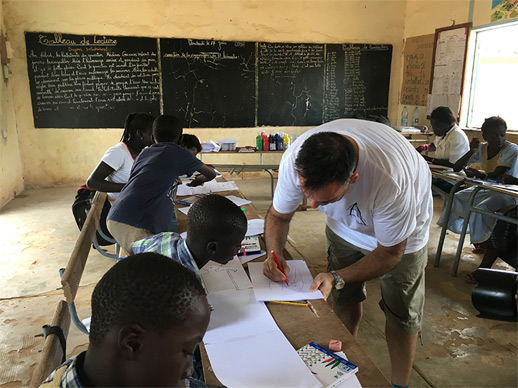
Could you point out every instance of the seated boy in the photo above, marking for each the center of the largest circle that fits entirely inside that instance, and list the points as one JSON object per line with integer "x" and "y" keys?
{"x": 148, "y": 315}
{"x": 146, "y": 204}
{"x": 215, "y": 228}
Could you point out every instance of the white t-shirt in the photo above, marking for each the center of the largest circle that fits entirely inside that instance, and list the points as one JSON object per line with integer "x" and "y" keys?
{"x": 452, "y": 146}
{"x": 119, "y": 158}
{"x": 391, "y": 201}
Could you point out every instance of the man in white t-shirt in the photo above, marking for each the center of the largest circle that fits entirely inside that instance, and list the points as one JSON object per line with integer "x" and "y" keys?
{"x": 375, "y": 191}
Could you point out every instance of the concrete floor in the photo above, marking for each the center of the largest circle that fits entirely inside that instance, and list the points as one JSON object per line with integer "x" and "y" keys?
{"x": 38, "y": 232}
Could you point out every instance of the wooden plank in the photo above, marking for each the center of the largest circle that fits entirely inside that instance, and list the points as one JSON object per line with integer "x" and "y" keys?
{"x": 76, "y": 263}
{"x": 52, "y": 354}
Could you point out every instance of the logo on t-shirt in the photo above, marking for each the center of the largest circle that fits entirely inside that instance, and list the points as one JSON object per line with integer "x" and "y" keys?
{"x": 355, "y": 211}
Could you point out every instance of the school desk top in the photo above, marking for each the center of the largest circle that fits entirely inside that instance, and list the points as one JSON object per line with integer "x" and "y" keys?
{"x": 302, "y": 325}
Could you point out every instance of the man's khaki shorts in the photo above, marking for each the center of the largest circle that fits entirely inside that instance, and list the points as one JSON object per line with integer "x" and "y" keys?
{"x": 402, "y": 288}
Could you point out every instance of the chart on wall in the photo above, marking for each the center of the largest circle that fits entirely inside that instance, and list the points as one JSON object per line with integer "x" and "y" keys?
{"x": 91, "y": 81}
{"x": 208, "y": 83}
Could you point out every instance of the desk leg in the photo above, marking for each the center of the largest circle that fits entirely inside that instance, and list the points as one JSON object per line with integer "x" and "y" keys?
{"x": 271, "y": 180}
{"x": 449, "y": 202}
{"x": 463, "y": 232}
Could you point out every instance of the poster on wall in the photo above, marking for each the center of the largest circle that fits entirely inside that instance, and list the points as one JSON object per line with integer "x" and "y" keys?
{"x": 417, "y": 66}
{"x": 504, "y": 9}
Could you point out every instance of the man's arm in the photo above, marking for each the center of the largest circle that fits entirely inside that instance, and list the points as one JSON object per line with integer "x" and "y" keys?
{"x": 276, "y": 229}
{"x": 378, "y": 262}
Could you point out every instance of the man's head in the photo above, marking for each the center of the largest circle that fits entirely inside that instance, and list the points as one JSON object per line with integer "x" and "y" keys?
{"x": 442, "y": 119}
{"x": 493, "y": 131}
{"x": 215, "y": 228}
{"x": 325, "y": 165}
{"x": 167, "y": 128}
{"x": 148, "y": 315}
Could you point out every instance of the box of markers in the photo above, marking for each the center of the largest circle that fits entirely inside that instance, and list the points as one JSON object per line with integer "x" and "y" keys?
{"x": 329, "y": 369}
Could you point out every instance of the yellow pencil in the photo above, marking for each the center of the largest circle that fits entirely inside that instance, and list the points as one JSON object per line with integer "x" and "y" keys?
{"x": 290, "y": 303}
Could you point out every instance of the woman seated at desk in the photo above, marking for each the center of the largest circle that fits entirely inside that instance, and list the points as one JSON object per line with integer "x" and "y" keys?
{"x": 497, "y": 157}
{"x": 450, "y": 144}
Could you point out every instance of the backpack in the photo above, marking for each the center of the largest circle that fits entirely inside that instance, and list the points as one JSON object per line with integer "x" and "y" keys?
{"x": 81, "y": 206}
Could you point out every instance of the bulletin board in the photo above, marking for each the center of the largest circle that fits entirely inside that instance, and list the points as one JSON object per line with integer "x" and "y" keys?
{"x": 417, "y": 66}
{"x": 449, "y": 66}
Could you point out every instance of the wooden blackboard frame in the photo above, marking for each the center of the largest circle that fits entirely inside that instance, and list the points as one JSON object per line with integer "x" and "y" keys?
{"x": 466, "y": 28}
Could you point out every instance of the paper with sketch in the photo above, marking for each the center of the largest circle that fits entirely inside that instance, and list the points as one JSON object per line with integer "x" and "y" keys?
{"x": 224, "y": 277}
{"x": 237, "y": 315}
{"x": 255, "y": 227}
{"x": 299, "y": 280}
{"x": 266, "y": 360}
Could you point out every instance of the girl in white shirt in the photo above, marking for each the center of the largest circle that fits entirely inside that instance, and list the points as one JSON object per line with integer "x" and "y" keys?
{"x": 113, "y": 171}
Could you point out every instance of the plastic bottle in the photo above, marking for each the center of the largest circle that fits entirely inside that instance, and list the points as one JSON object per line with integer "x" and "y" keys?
{"x": 278, "y": 142}
{"x": 272, "y": 142}
{"x": 404, "y": 117}
{"x": 259, "y": 142}
{"x": 415, "y": 117}
{"x": 285, "y": 141}
{"x": 265, "y": 141}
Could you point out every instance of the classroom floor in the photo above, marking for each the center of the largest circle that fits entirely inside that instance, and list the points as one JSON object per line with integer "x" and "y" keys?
{"x": 38, "y": 232}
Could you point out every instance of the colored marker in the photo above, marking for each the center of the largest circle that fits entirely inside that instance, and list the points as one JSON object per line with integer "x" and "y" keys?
{"x": 329, "y": 359}
{"x": 279, "y": 266}
{"x": 289, "y": 303}
{"x": 336, "y": 364}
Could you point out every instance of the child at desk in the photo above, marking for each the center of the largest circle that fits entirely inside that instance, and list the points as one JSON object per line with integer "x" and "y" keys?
{"x": 113, "y": 171}
{"x": 497, "y": 157}
{"x": 191, "y": 142}
{"x": 146, "y": 204}
{"x": 450, "y": 144}
{"x": 148, "y": 315}
{"x": 215, "y": 228}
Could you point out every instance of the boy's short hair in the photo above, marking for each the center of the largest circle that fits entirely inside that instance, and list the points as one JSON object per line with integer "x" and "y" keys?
{"x": 147, "y": 288}
{"x": 190, "y": 141}
{"x": 324, "y": 158}
{"x": 167, "y": 128}
{"x": 213, "y": 215}
{"x": 492, "y": 123}
{"x": 443, "y": 114}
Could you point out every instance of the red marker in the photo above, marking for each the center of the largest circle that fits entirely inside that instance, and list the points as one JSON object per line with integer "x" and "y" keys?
{"x": 279, "y": 266}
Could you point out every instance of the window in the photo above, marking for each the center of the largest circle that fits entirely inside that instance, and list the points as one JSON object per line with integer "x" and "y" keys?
{"x": 494, "y": 80}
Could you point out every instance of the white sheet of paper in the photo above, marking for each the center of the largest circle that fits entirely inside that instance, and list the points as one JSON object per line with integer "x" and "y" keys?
{"x": 255, "y": 227}
{"x": 206, "y": 188}
{"x": 351, "y": 382}
{"x": 184, "y": 210}
{"x": 237, "y": 200}
{"x": 299, "y": 280}
{"x": 224, "y": 277}
{"x": 250, "y": 256}
{"x": 237, "y": 315}
{"x": 266, "y": 360}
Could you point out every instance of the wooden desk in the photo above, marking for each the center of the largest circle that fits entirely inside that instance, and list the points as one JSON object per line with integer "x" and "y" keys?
{"x": 471, "y": 209}
{"x": 301, "y": 325}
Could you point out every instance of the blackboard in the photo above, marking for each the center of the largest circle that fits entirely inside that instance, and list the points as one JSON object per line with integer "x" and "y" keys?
{"x": 290, "y": 84}
{"x": 357, "y": 80}
{"x": 95, "y": 81}
{"x": 80, "y": 81}
{"x": 209, "y": 83}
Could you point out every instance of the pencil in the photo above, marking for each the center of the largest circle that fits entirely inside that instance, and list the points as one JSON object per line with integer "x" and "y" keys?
{"x": 290, "y": 303}
{"x": 279, "y": 266}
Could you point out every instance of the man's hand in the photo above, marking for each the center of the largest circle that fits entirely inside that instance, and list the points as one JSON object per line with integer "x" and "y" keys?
{"x": 323, "y": 282}
{"x": 271, "y": 271}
